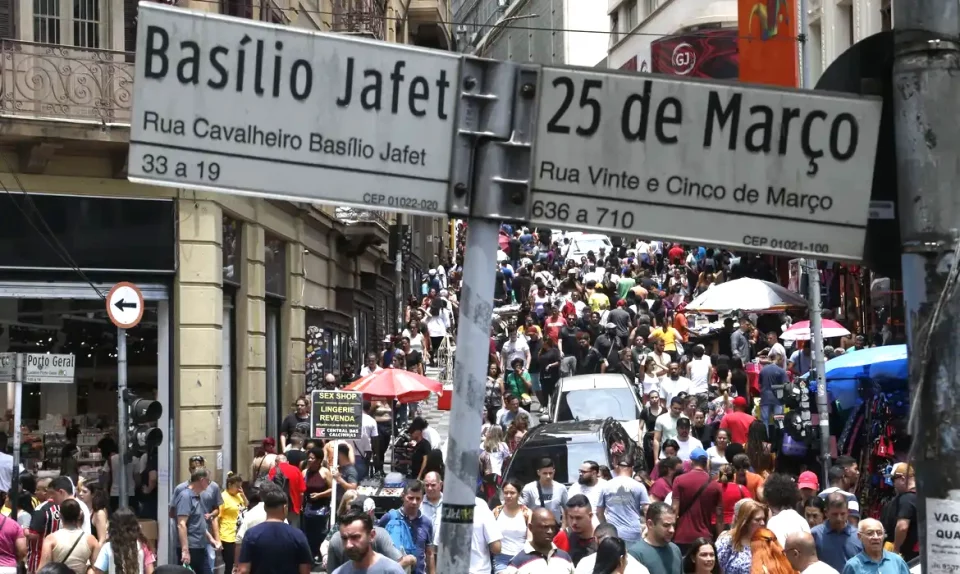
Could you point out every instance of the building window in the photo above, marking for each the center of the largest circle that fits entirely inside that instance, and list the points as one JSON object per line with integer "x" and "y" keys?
{"x": 633, "y": 17}
{"x": 649, "y": 7}
{"x": 886, "y": 16}
{"x": 614, "y": 28}
{"x": 238, "y": 8}
{"x": 76, "y": 23}
{"x": 275, "y": 262}
{"x": 231, "y": 250}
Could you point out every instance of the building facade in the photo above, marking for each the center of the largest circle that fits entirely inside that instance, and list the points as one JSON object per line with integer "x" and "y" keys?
{"x": 571, "y": 32}
{"x": 249, "y": 302}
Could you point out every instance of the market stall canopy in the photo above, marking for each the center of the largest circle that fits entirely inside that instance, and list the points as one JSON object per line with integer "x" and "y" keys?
{"x": 800, "y": 331}
{"x": 405, "y": 386}
{"x": 888, "y": 362}
{"x": 752, "y": 295}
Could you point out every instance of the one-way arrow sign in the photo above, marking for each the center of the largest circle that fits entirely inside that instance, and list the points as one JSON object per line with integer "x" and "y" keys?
{"x": 125, "y": 305}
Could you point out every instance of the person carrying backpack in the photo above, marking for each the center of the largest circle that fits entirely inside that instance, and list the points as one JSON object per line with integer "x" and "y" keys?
{"x": 409, "y": 530}
{"x": 290, "y": 481}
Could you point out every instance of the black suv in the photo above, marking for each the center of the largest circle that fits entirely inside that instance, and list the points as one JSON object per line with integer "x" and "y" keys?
{"x": 568, "y": 444}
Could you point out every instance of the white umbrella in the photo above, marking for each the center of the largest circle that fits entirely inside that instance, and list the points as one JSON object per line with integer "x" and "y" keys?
{"x": 800, "y": 331}
{"x": 746, "y": 295}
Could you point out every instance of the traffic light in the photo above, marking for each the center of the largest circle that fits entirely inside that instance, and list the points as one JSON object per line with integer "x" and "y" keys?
{"x": 142, "y": 415}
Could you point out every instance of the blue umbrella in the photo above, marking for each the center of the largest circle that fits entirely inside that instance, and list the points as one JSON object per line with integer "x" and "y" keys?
{"x": 877, "y": 363}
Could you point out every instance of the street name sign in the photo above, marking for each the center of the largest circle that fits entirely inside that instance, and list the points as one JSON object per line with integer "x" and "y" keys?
{"x": 49, "y": 368}
{"x": 336, "y": 414}
{"x": 125, "y": 305}
{"x": 8, "y": 367}
{"x": 743, "y": 166}
{"x": 230, "y": 105}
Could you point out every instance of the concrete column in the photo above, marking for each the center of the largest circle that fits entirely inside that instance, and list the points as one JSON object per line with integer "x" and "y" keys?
{"x": 198, "y": 342}
{"x": 251, "y": 345}
{"x": 8, "y": 312}
{"x": 295, "y": 317}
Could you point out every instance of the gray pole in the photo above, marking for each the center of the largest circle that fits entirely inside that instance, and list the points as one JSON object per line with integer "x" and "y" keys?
{"x": 806, "y": 79}
{"x": 473, "y": 336}
{"x": 18, "y": 377}
{"x": 122, "y": 413}
{"x": 398, "y": 268}
{"x": 816, "y": 334}
{"x": 926, "y": 81}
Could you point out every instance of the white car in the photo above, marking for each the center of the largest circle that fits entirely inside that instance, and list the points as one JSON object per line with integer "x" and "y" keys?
{"x": 598, "y": 396}
{"x": 586, "y": 242}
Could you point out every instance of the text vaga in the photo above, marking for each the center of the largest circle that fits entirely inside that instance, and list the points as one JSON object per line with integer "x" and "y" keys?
{"x": 758, "y": 129}
{"x": 223, "y": 68}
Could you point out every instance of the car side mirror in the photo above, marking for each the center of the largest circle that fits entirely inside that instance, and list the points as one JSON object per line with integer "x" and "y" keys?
{"x": 544, "y": 419}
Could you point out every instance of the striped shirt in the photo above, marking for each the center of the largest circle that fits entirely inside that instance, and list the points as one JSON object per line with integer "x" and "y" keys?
{"x": 530, "y": 561}
{"x": 45, "y": 521}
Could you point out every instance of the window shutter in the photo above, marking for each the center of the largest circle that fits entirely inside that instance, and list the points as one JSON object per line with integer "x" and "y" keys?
{"x": 7, "y": 29}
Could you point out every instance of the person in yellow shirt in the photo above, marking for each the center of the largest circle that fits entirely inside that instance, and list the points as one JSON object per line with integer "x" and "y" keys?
{"x": 598, "y": 301}
{"x": 231, "y": 514}
{"x": 669, "y": 335}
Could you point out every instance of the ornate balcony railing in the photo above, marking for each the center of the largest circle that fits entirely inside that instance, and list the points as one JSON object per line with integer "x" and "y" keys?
{"x": 352, "y": 216}
{"x": 57, "y": 82}
{"x": 360, "y": 17}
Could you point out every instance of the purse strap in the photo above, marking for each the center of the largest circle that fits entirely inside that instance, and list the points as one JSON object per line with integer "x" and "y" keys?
{"x": 70, "y": 552}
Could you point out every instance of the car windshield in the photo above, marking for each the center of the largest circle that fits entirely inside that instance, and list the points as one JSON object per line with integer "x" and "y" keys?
{"x": 584, "y": 245}
{"x": 566, "y": 456}
{"x": 619, "y": 403}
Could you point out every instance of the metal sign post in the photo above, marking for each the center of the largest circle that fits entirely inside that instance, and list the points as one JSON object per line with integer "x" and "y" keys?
{"x": 125, "y": 309}
{"x": 816, "y": 339}
{"x": 336, "y": 415}
{"x": 17, "y": 438}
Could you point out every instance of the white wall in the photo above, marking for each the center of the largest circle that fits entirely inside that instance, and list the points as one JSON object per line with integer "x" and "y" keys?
{"x": 586, "y": 48}
{"x": 835, "y": 25}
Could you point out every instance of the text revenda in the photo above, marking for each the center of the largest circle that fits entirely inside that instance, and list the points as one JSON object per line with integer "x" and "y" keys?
{"x": 221, "y": 68}
{"x": 727, "y": 121}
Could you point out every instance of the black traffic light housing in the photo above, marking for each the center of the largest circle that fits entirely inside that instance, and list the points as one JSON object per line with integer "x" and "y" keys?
{"x": 142, "y": 416}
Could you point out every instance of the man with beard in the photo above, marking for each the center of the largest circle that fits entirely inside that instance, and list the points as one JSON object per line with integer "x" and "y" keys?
{"x": 356, "y": 530}
{"x": 379, "y": 539}
{"x": 589, "y": 484}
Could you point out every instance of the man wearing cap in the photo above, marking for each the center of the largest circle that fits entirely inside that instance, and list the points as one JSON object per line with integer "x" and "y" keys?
{"x": 809, "y": 486}
{"x": 696, "y": 499}
{"x": 737, "y": 422}
{"x": 382, "y": 543}
{"x": 899, "y": 516}
{"x": 623, "y": 501}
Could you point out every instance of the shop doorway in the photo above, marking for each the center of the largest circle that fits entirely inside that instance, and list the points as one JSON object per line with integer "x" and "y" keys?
{"x": 71, "y": 318}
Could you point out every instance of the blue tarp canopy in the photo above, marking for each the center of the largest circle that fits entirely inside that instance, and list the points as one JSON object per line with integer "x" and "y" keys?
{"x": 880, "y": 364}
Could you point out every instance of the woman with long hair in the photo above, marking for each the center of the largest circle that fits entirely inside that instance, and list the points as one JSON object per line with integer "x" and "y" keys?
{"x": 493, "y": 398}
{"x": 611, "y": 556}
{"x": 99, "y": 504}
{"x": 759, "y": 451}
{"x": 701, "y": 558}
{"x": 650, "y": 381}
{"x": 264, "y": 458}
{"x": 738, "y": 377}
{"x": 231, "y": 515}
{"x": 717, "y": 453}
{"x": 768, "y": 556}
{"x": 316, "y": 510}
{"x": 13, "y": 544}
{"x": 517, "y": 430}
{"x": 733, "y": 546}
{"x": 733, "y": 489}
{"x": 512, "y": 518}
{"x": 127, "y": 551}
{"x": 815, "y": 511}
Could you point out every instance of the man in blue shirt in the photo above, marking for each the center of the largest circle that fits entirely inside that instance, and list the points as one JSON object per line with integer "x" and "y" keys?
{"x": 772, "y": 379}
{"x": 837, "y": 539}
{"x": 874, "y": 559}
{"x": 273, "y": 546}
{"x": 420, "y": 528}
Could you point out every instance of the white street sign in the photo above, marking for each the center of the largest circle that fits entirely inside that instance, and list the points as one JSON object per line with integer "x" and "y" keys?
{"x": 744, "y": 166}
{"x": 8, "y": 367}
{"x": 125, "y": 305}
{"x": 232, "y": 105}
{"x": 43, "y": 368}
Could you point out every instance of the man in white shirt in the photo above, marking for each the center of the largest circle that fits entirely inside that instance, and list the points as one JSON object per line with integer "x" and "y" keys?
{"x": 666, "y": 426}
{"x": 687, "y": 443}
{"x": 370, "y": 366}
{"x": 674, "y": 384}
{"x": 776, "y": 353}
{"x": 801, "y": 550}
{"x": 589, "y": 484}
{"x": 699, "y": 370}
{"x": 515, "y": 348}
{"x": 588, "y": 562}
{"x": 364, "y": 445}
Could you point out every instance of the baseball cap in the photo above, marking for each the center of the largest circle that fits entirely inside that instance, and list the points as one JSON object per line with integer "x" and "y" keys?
{"x": 902, "y": 468}
{"x": 698, "y": 454}
{"x": 740, "y": 402}
{"x": 809, "y": 480}
{"x": 611, "y": 325}
{"x": 363, "y": 503}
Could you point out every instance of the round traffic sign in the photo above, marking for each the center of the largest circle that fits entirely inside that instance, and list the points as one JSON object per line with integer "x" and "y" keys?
{"x": 125, "y": 305}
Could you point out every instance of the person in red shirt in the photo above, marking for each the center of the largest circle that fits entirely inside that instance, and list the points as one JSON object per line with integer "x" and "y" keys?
{"x": 297, "y": 486}
{"x": 737, "y": 422}
{"x": 578, "y": 538}
{"x": 675, "y": 254}
{"x": 553, "y": 323}
{"x": 697, "y": 499}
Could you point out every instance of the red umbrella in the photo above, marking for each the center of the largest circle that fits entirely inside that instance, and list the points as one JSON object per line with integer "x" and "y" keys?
{"x": 404, "y": 386}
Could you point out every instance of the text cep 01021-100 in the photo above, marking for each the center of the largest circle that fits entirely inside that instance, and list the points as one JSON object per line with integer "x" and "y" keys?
{"x": 249, "y": 107}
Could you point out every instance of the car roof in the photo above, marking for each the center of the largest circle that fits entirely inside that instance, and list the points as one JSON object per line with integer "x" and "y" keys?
{"x": 572, "y": 431}
{"x": 597, "y": 381}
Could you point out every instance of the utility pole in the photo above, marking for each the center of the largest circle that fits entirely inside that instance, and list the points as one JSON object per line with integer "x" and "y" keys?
{"x": 816, "y": 339}
{"x": 926, "y": 81}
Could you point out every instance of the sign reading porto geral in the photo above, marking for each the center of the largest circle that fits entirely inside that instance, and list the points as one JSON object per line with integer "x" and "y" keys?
{"x": 286, "y": 113}
{"x": 743, "y": 166}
